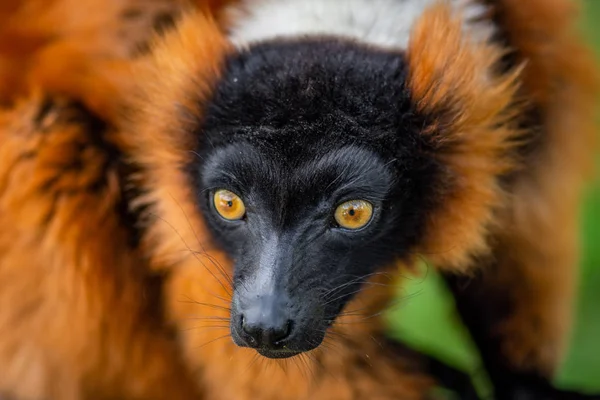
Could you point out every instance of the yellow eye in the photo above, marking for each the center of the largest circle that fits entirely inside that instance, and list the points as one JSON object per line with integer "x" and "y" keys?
{"x": 229, "y": 205}
{"x": 354, "y": 214}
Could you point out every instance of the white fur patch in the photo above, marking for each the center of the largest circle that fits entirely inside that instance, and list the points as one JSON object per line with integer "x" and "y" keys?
{"x": 383, "y": 23}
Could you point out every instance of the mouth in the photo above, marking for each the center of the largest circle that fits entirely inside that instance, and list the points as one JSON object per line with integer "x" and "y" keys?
{"x": 272, "y": 353}
{"x": 277, "y": 354}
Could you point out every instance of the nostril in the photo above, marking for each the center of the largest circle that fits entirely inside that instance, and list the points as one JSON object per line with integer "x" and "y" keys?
{"x": 283, "y": 333}
{"x": 249, "y": 330}
{"x": 275, "y": 335}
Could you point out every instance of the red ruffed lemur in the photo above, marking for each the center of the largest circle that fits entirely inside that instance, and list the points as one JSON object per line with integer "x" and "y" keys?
{"x": 222, "y": 210}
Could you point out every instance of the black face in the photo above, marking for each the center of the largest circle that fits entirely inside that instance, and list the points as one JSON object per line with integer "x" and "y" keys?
{"x": 313, "y": 153}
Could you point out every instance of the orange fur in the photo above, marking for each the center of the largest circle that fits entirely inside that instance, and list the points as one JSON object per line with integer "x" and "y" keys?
{"x": 74, "y": 322}
{"x": 79, "y": 311}
{"x": 79, "y": 315}
{"x": 534, "y": 257}
{"x": 451, "y": 76}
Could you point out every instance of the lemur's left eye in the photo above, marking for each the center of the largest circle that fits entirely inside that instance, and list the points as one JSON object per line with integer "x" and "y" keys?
{"x": 229, "y": 205}
{"x": 354, "y": 214}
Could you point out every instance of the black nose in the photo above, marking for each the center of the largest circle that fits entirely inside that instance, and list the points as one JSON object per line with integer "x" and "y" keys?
{"x": 266, "y": 323}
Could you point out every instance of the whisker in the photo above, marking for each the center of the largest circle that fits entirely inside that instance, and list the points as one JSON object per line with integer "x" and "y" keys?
{"x": 343, "y": 285}
{"x": 308, "y": 365}
{"x": 252, "y": 362}
{"x": 219, "y": 267}
{"x": 205, "y": 327}
{"x": 358, "y": 280}
{"x": 326, "y": 346}
{"x": 297, "y": 363}
{"x": 191, "y": 301}
{"x": 284, "y": 367}
{"x": 337, "y": 334}
{"x": 377, "y": 314}
{"x": 342, "y": 296}
{"x": 222, "y": 319}
{"x": 377, "y": 342}
{"x": 194, "y": 253}
{"x": 213, "y": 340}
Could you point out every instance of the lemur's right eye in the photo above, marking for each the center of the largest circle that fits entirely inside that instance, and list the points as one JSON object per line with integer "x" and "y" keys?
{"x": 229, "y": 205}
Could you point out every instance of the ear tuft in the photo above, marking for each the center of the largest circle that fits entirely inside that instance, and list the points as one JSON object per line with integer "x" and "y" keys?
{"x": 173, "y": 87}
{"x": 470, "y": 108}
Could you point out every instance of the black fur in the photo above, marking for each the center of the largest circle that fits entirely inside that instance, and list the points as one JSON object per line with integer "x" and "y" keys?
{"x": 296, "y": 128}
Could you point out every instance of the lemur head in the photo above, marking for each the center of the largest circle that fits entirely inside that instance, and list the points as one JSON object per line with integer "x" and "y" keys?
{"x": 321, "y": 161}
{"x": 313, "y": 175}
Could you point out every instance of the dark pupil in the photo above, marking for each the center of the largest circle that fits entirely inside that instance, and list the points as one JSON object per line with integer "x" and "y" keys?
{"x": 352, "y": 212}
{"x": 230, "y": 203}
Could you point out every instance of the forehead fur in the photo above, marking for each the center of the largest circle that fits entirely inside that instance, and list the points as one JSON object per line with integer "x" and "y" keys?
{"x": 308, "y": 95}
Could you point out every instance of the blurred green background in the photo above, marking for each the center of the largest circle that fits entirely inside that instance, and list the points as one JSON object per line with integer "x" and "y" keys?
{"x": 427, "y": 320}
